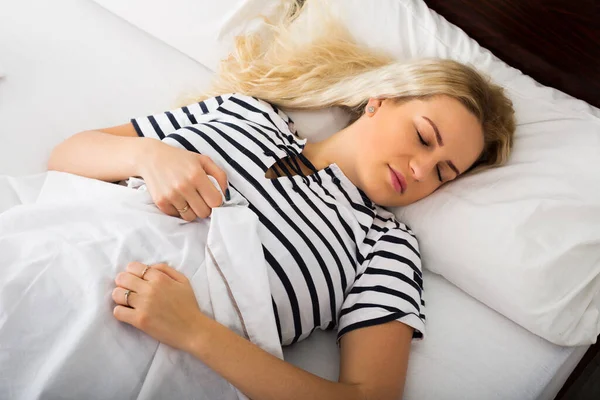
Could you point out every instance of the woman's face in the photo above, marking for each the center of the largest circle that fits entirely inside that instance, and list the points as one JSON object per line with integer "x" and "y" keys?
{"x": 408, "y": 150}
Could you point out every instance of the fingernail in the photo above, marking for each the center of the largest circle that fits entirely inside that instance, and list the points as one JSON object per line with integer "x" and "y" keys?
{"x": 227, "y": 196}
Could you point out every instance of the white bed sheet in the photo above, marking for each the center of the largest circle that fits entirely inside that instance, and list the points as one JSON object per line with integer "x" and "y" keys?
{"x": 70, "y": 65}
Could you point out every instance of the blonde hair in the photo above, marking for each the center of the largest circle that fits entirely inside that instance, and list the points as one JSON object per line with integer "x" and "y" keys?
{"x": 302, "y": 67}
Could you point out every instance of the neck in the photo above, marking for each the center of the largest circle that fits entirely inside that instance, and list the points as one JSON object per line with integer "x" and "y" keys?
{"x": 336, "y": 149}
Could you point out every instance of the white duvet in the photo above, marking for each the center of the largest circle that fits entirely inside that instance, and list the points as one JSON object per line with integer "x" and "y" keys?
{"x": 59, "y": 256}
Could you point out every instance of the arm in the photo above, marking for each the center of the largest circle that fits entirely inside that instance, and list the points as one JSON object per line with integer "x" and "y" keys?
{"x": 114, "y": 154}
{"x": 164, "y": 306}
{"x": 376, "y": 358}
{"x": 111, "y": 154}
{"x": 257, "y": 373}
{"x": 373, "y": 359}
{"x": 175, "y": 177}
{"x": 373, "y": 365}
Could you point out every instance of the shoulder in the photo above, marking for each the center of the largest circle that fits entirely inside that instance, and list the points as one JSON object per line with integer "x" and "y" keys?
{"x": 264, "y": 118}
{"x": 256, "y": 105}
{"x": 394, "y": 246}
{"x": 385, "y": 223}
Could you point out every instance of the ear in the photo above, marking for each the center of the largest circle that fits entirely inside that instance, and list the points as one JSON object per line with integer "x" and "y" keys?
{"x": 372, "y": 106}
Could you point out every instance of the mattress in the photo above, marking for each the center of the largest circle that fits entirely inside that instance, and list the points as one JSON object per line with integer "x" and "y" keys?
{"x": 70, "y": 66}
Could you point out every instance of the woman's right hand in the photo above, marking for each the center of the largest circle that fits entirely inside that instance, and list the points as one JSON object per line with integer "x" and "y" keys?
{"x": 177, "y": 177}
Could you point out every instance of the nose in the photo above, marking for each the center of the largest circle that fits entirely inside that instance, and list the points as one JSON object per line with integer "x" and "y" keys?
{"x": 421, "y": 167}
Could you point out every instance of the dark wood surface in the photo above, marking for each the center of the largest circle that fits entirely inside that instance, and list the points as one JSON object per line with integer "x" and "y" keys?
{"x": 584, "y": 381}
{"x": 556, "y": 42}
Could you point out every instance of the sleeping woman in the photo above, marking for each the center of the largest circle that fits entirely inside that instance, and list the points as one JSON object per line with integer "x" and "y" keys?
{"x": 337, "y": 258}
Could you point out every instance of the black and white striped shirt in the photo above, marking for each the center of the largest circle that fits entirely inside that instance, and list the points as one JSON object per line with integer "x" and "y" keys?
{"x": 336, "y": 258}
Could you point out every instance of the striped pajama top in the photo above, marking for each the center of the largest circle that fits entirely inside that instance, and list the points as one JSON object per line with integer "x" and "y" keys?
{"x": 336, "y": 259}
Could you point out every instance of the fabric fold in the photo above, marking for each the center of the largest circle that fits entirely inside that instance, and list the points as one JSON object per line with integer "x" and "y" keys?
{"x": 59, "y": 256}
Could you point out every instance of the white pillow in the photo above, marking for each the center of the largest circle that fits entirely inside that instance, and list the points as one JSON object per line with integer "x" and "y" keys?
{"x": 202, "y": 29}
{"x": 524, "y": 239}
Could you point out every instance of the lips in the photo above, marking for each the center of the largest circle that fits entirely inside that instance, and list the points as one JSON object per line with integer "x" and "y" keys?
{"x": 398, "y": 181}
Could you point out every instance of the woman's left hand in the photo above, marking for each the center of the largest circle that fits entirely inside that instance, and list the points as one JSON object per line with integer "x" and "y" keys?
{"x": 161, "y": 302}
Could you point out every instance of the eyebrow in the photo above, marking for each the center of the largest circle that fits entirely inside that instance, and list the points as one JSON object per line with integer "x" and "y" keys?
{"x": 437, "y": 132}
{"x": 441, "y": 142}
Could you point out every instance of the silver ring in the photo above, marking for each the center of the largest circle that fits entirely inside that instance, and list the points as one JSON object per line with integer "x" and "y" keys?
{"x": 144, "y": 273}
{"x": 184, "y": 209}
{"x": 127, "y": 292}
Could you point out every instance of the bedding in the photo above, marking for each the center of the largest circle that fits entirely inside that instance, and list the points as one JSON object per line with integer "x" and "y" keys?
{"x": 60, "y": 256}
{"x": 121, "y": 72}
{"x": 204, "y": 29}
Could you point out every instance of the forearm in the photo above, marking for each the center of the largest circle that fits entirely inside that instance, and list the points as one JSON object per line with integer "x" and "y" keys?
{"x": 257, "y": 373}
{"x": 100, "y": 155}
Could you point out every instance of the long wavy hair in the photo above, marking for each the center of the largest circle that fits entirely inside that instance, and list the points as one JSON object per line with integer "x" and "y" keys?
{"x": 295, "y": 65}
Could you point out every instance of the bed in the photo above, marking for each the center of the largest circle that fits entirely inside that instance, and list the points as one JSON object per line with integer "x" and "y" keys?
{"x": 72, "y": 65}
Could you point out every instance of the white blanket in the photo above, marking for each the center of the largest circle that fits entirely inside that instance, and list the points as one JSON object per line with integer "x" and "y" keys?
{"x": 59, "y": 255}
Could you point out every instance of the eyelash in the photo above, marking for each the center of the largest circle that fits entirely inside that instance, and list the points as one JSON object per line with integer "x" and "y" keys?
{"x": 424, "y": 143}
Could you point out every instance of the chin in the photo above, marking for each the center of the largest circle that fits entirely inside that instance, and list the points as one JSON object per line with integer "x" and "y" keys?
{"x": 385, "y": 198}
{"x": 390, "y": 198}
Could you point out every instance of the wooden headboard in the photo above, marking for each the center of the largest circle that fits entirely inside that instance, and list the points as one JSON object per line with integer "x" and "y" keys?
{"x": 556, "y": 42}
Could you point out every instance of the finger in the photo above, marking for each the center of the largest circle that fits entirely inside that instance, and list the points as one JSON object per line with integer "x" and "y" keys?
{"x": 189, "y": 215}
{"x": 163, "y": 203}
{"x": 124, "y": 314}
{"x": 196, "y": 202}
{"x": 209, "y": 193}
{"x": 145, "y": 271}
{"x": 171, "y": 272}
{"x": 170, "y": 209}
{"x": 127, "y": 280}
{"x": 118, "y": 296}
{"x": 184, "y": 208}
{"x": 137, "y": 268}
{"x": 215, "y": 171}
{"x": 130, "y": 281}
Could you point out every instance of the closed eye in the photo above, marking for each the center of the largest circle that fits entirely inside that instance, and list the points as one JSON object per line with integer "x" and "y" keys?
{"x": 423, "y": 142}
